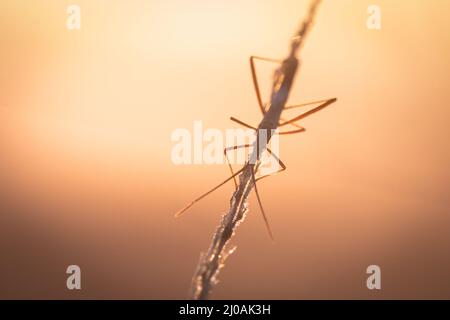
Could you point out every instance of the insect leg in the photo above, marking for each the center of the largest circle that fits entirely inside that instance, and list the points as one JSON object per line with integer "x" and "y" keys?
{"x": 207, "y": 193}
{"x": 305, "y": 104}
{"x": 242, "y": 123}
{"x": 255, "y": 79}
{"x": 256, "y": 85}
{"x": 228, "y": 161}
{"x": 293, "y": 131}
{"x": 282, "y": 165}
{"x": 261, "y": 207}
{"x": 308, "y": 113}
{"x": 299, "y": 128}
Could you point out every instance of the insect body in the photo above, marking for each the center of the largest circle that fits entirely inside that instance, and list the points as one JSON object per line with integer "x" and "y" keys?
{"x": 272, "y": 120}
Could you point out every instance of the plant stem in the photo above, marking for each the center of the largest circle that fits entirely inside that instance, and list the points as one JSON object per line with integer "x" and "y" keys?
{"x": 212, "y": 261}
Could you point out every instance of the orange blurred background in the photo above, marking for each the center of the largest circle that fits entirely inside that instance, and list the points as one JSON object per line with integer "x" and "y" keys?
{"x": 86, "y": 176}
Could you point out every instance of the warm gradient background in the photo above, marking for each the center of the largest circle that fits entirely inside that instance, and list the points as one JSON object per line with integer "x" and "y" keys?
{"x": 85, "y": 170}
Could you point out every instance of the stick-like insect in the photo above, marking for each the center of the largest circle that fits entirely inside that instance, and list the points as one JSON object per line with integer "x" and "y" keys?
{"x": 272, "y": 118}
{"x": 205, "y": 276}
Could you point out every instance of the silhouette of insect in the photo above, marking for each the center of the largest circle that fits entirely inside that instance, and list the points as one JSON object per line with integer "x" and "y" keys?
{"x": 272, "y": 119}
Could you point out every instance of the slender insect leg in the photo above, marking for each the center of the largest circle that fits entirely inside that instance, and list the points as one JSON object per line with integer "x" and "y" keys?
{"x": 236, "y": 147}
{"x": 305, "y": 104}
{"x": 266, "y": 221}
{"x": 308, "y": 113}
{"x": 255, "y": 79}
{"x": 248, "y": 126}
{"x": 256, "y": 85}
{"x": 207, "y": 193}
{"x": 283, "y": 121}
{"x": 228, "y": 160}
{"x": 282, "y": 165}
{"x": 293, "y": 131}
{"x": 242, "y": 123}
{"x": 299, "y": 128}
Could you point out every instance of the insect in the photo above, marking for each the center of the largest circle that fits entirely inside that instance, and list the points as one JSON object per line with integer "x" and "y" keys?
{"x": 272, "y": 119}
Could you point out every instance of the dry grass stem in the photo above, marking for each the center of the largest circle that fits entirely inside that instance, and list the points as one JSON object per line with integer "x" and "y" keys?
{"x": 212, "y": 261}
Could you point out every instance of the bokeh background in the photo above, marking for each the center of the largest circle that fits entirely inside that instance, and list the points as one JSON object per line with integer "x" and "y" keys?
{"x": 86, "y": 176}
